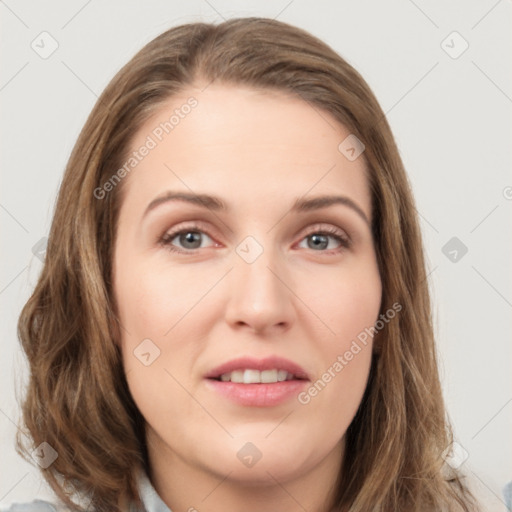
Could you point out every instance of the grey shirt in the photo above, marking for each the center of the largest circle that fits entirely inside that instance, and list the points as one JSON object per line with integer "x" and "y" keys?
{"x": 152, "y": 502}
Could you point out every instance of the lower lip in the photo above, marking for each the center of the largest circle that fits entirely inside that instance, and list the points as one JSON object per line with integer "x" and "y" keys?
{"x": 258, "y": 395}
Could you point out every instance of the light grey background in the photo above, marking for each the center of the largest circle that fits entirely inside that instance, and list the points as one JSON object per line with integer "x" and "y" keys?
{"x": 451, "y": 119}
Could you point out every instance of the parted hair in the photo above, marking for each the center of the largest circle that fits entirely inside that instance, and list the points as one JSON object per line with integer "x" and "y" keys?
{"x": 77, "y": 398}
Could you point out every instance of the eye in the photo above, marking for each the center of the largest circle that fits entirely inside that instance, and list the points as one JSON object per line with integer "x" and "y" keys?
{"x": 326, "y": 240}
{"x": 190, "y": 238}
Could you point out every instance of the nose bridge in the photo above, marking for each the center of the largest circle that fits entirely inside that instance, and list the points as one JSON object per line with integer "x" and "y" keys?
{"x": 253, "y": 273}
{"x": 258, "y": 296}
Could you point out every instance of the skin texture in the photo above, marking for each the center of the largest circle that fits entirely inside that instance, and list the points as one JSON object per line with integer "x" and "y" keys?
{"x": 258, "y": 151}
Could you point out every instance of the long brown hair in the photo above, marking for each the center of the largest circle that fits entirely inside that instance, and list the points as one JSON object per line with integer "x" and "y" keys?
{"x": 78, "y": 399}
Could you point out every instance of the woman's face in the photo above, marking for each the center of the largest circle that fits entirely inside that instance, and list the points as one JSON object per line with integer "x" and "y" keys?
{"x": 258, "y": 280}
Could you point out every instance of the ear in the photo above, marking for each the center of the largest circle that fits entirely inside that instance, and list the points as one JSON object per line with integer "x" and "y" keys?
{"x": 115, "y": 326}
{"x": 378, "y": 340}
{"x": 116, "y": 331}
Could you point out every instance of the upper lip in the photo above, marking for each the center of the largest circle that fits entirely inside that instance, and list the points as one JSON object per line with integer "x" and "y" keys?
{"x": 268, "y": 363}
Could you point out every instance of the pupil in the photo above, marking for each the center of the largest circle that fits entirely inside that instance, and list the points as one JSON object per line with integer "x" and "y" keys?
{"x": 319, "y": 241}
{"x": 192, "y": 237}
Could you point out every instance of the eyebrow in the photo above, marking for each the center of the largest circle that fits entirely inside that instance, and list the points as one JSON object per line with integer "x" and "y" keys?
{"x": 216, "y": 204}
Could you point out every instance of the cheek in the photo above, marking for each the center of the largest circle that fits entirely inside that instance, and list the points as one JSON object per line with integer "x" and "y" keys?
{"x": 346, "y": 299}
{"x": 153, "y": 307}
{"x": 153, "y": 300}
{"x": 165, "y": 305}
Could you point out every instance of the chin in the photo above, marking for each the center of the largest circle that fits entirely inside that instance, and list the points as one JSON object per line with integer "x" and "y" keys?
{"x": 264, "y": 472}
{"x": 263, "y": 461}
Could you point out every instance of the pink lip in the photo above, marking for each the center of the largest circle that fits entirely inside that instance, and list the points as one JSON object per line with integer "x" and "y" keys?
{"x": 258, "y": 395}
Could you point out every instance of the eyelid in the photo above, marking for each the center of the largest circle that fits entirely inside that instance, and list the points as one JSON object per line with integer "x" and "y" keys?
{"x": 320, "y": 227}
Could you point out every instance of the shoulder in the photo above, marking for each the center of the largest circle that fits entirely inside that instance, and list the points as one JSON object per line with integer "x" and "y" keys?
{"x": 150, "y": 499}
{"x": 33, "y": 506}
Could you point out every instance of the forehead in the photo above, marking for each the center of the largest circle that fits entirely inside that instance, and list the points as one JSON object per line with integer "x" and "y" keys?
{"x": 245, "y": 145}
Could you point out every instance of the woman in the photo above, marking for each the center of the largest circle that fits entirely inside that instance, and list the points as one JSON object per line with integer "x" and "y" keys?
{"x": 234, "y": 309}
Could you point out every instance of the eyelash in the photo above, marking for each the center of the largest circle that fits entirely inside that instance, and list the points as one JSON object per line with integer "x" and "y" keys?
{"x": 332, "y": 232}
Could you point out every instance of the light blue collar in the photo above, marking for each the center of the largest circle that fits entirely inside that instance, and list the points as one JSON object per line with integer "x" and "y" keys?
{"x": 150, "y": 498}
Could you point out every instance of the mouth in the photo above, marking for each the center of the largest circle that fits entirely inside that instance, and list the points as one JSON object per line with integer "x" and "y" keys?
{"x": 258, "y": 383}
{"x": 249, "y": 370}
{"x": 251, "y": 376}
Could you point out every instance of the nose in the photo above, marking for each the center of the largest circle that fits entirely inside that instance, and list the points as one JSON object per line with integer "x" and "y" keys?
{"x": 261, "y": 299}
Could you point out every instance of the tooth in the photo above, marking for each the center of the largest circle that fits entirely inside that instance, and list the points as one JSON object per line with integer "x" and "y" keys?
{"x": 237, "y": 376}
{"x": 281, "y": 375}
{"x": 268, "y": 376}
{"x": 251, "y": 377}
